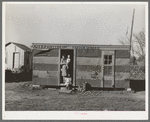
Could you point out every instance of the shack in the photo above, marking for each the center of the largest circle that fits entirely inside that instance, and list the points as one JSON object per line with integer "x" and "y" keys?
{"x": 104, "y": 66}
{"x": 17, "y": 56}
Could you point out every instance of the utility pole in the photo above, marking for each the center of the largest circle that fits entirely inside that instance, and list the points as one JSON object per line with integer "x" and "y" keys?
{"x": 131, "y": 48}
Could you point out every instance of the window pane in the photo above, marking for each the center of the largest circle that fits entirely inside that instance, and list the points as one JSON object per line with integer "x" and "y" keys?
{"x": 110, "y": 62}
{"x": 105, "y": 57}
{"x": 110, "y": 57}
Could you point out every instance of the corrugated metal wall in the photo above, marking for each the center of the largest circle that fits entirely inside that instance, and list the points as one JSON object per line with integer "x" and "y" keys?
{"x": 45, "y": 67}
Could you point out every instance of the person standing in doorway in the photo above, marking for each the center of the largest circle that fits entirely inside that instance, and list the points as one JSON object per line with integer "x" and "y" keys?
{"x": 68, "y": 64}
{"x": 63, "y": 67}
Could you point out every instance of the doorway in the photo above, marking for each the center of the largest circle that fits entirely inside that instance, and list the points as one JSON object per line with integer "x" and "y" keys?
{"x": 65, "y": 53}
{"x": 16, "y": 60}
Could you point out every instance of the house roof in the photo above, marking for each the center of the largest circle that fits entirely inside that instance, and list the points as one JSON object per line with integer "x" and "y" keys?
{"x": 79, "y": 46}
{"x": 24, "y": 47}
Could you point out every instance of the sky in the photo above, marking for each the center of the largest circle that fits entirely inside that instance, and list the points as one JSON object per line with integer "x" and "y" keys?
{"x": 71, "y": 23}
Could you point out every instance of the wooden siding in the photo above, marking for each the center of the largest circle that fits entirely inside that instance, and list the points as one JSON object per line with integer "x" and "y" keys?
{"x": 89, "y": 61}
{"x": 46, "y": 60}
{"x": 45, "y": 81}
{"x": 10, "y": 49}
{"x": 122, "y": 54}
{"x": 93, "y": 83}
{"x": 122, "y": 61}
{"x": 46, "y": 53}
{"x": 45, "y": 67}
{"x": 88, "y": 53}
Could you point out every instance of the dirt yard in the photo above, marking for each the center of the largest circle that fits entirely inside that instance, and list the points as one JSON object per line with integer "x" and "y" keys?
{"x": 19, "y": 97}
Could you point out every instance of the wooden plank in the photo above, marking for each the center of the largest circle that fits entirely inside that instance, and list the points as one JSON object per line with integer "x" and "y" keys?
{"x": 89, "y": 68}
{"x": 45, "y": 67}
{"x": 46, "y": 60}
{"x": 122, "y": 68}
{"x": 88, "y": 53}
{"x": 89, "y": 61}
{"x": 45, "y": 81}
{"x": 122, "y": 76}
{"x": 93, "y": 83}
{"x": 46, "y": 53}
{"x": 122, "y": 61}
{"x": 122, "y": 54}
{"x": 45, "y": 74}
{"x": 87, "y": 75}
{"x": 122, "y": 84}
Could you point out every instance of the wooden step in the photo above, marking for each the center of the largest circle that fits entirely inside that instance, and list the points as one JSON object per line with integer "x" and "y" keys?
{"x": 63, "y": 88}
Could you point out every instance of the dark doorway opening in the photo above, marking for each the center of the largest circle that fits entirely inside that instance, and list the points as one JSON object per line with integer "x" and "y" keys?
{"x": 67, "y": 52}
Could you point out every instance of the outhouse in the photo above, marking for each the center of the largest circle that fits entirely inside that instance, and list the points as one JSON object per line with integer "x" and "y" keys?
{"x": 105, "y": 66}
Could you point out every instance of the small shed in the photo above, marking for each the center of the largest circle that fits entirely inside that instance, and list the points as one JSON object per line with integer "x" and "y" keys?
{"x": 17, "y": 56}
{"x": 104, "y": 66}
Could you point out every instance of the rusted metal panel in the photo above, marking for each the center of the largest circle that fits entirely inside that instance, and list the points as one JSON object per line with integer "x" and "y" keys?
{"x": 46, "y": 60}
{"x": 122, "y": 54}
{"x": 122, "y": 61}
{"x": 122, "y": 84}
{"x": 45, "y": 81}
{"x": 89, "y": 61}
{"x": 122, "y": 76}
{"x": 89, "y": 68}
{"x": 88, "y": 53}
{"x": 45, "y": 67}
{"x": 93, "y": 83}
{"x": 87, "y": 75}
{"x": 122, "y": 68}
{"x": 46, "y": 53}
{"x": 45, "y": 74}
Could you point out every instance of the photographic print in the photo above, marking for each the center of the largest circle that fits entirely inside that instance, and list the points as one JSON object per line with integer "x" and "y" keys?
{"x": 75, "y": 60}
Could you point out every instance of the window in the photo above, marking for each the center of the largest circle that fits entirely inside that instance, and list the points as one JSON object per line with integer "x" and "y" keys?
{"x": 107, "y": 59}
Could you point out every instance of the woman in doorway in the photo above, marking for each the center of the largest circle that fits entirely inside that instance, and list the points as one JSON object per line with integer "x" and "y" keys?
{"x": 63, "y": 67}
{"x": 68, "y": 64}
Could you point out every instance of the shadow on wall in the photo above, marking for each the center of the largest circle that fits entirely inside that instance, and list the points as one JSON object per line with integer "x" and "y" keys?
{"x": 17, "y": 77}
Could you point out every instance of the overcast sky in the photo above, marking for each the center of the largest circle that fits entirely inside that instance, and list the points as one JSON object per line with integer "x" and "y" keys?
{"x": 74, "y": 23}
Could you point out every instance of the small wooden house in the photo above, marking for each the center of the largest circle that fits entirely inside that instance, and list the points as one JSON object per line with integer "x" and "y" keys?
{"x": 17, "y": 56}
{"x": 105, "y": 66}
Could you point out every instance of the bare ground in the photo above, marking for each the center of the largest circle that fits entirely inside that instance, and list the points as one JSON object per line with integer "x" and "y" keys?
{"x": 19, "y": 97}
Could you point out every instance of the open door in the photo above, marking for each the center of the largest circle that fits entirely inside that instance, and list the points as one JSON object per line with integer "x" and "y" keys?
{"x": 108, "y": 69}
{"x": 70, "y": 71}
